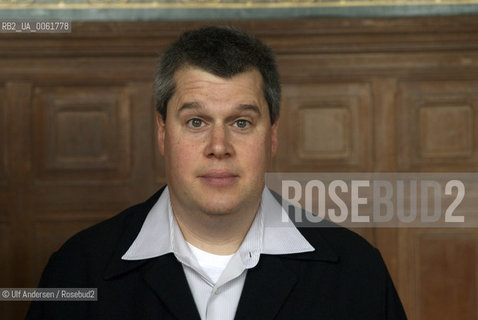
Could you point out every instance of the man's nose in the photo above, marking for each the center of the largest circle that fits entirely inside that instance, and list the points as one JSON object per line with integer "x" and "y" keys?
{"x": 219, "y": 142}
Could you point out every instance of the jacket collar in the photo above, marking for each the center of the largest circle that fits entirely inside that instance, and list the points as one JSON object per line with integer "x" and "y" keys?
{"x": 132, "y": 223}
{"x": 163, "y": 274}
{"x": 266, "y": 288}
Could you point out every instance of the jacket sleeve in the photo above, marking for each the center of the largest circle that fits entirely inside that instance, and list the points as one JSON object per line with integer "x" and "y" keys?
{"x": 393, "y": 306}
{"x": 64, "y": 270}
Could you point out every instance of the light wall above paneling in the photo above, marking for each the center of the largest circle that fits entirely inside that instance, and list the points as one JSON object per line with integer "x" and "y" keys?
{"x": 171, "y": 10}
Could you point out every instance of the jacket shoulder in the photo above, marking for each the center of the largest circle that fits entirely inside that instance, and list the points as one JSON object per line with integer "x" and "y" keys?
{"x": 342, "y": 240}
{"x": 85, "y": 253}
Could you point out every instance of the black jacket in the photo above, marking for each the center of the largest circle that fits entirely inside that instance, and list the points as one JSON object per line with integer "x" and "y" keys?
{"x": 344, "y": 278}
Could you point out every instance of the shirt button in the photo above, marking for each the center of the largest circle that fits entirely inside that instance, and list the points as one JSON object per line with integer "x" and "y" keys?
{"x": 218, "y": 291}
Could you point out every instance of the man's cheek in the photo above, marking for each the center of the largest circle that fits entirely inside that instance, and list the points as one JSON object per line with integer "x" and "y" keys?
{"x": 255, "y": 155}
{"x": 186, "y": 157}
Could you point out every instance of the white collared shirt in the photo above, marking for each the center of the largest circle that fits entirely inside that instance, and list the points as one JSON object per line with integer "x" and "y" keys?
{"x": 270, "y": 233}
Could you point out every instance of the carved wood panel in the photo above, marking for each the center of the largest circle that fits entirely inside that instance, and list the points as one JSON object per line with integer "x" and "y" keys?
{"x": 3, "y": 139}
{"x": 81, "y": 135}
{"x": 439, "y": 268}
{"x": 437, "y": 125}
{"x": 326, "y": 127}
{"x": 6, "y": 257}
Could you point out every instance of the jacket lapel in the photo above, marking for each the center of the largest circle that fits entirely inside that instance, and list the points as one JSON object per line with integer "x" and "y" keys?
{"x": 163, "y": 274}
{"x": 166, "y": 277}
{"x": 270, "y": 283}
{"x": 267, "y": 286}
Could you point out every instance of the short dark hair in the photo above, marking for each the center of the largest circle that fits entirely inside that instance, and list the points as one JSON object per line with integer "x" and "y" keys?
{"x": 224, "y": 52}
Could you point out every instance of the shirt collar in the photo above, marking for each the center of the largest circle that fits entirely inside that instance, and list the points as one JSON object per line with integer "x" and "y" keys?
{"x": 270, "y": 233}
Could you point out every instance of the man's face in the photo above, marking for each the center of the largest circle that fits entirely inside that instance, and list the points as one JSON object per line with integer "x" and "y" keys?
{"x": 217, "y": 141}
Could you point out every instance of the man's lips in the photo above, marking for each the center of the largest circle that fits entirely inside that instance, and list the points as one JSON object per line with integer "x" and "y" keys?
{"x": 219, "y": 178}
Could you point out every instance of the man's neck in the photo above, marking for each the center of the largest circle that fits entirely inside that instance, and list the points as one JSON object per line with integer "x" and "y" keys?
{"x": 220, "y": 234}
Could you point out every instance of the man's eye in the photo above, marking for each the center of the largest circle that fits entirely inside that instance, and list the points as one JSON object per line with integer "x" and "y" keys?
{"x": 195, "y": 123}
{"x": 242, "y": 124}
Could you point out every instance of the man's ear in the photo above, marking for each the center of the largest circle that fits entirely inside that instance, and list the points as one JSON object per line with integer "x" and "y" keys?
{"x": 161, "y": 124}
{"x": 274, "y": 137}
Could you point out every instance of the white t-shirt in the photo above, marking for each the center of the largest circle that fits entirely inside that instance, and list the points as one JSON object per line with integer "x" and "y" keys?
{"x": 212, "y": 264}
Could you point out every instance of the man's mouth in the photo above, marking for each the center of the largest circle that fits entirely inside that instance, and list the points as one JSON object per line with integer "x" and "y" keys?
{"x": 219, "y": 178}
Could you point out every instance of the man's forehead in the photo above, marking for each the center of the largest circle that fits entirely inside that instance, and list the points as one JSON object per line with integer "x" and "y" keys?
{"x": 193, "y": 82}
{"x": 185, "y": 73}
{"x": 193, "y": 94}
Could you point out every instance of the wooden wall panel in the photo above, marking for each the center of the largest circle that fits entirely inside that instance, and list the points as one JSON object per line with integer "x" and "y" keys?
{"x": 5, "y": 244}
{"x": 6, "y": 311}
{"x": 81, "y": 135}
{"x": 325, "y": 133}
{"x": 89, "y": 143}
{"x": 438, "y": 125}
{"x": 440, "y": 272}
{"x": 3, "y": 138}
{"x": 445, "y": 131}
{"x": 5, "y": 225}
{"x": 326, "y": 127}
{"x": 447, "y": 267}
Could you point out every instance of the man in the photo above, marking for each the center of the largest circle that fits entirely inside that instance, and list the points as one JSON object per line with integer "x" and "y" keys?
{"x": 207, "y": 245}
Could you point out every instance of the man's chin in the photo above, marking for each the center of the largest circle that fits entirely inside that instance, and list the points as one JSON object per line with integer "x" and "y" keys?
{"x": 219, "y": 209}
{"x": 219, "y": 205}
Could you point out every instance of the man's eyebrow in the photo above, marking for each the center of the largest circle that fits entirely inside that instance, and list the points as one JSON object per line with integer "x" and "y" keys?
{"x": 190, "y": 106}
{"x": 198, "y": 106}
{"x": 249, "y": 107}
